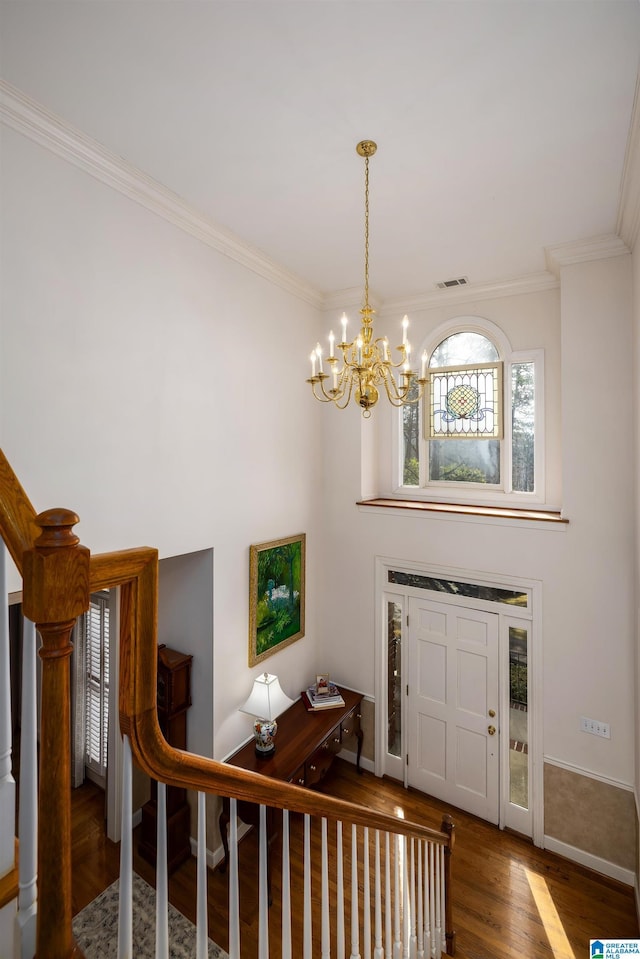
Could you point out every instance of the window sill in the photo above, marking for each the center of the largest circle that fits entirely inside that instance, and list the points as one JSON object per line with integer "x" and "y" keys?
{"x": 458, "y": 509}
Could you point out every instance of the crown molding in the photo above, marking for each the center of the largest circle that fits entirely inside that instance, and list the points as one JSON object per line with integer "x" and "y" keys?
{"x": 31, "y": 119}
{"x": 628, "y": 222}
{"x": 472, "y": 293}
{"x": 350, "y": 299}
{"x": 581, "y": 251}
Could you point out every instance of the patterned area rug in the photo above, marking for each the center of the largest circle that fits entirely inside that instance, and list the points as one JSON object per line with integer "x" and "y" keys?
{"x": 96, "y": 927}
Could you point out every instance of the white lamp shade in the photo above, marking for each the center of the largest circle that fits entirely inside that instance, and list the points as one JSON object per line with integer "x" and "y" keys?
{"x": 267, "y": 700}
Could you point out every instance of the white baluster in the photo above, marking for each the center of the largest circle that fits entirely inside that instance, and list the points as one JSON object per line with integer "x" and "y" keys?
{"x": 378, "y": 952}
{"x": 28, "y": 812}
{"x": 286, "y": 888}
{"x": 340, "y": 929}
{"x": 9, "y": 928}
{"x": 366, "y": 897}
{"x": 397, "y": 893}
{"x": 263, "y": 920}
{"x": 388, "y": 940}
{"x": 7, "y": 782}
{"x": 234, "y": 895}
{"x": 355, "y": 924}
{"x": 413, "y": 950}
{"x": 125, "y": 910}
{"x": 162, "y": 881}
{"x": 436, "y": 899}
{"x": 307, "y": 941}
{"x": 432, "y": 898}
{"x": 406, "y": 911}
{"x": 443, "y": 918}
{"x": 420, "y": 904}
{"x": 427, "y": 910}
{"x": 437, "y": 933}
{"x": 202, "y": 918}
{"x": 326, "y": 945}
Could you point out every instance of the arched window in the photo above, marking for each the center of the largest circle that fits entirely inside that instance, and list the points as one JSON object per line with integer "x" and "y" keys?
{"x": 476, "y": 432}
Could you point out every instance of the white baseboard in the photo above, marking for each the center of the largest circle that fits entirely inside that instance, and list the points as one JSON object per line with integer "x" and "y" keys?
{"x": 353, "y": 758}
{"x": 587, "y": 859}
{"x": 217, "y": 855}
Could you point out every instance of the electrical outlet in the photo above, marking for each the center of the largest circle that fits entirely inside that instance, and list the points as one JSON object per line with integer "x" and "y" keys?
{"x": 595, "y": 727}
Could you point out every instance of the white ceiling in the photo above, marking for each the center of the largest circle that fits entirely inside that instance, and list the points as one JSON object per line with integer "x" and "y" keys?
{"x": 501, "y": 124}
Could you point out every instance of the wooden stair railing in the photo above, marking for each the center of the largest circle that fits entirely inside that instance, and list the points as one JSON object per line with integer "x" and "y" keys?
{"x": 58, "y": 577}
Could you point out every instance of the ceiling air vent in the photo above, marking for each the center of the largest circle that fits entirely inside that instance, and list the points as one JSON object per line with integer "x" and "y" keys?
{"x": 459, "y": 281}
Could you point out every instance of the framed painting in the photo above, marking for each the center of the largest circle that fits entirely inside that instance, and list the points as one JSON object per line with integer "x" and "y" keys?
{"x": 276, "y": 596}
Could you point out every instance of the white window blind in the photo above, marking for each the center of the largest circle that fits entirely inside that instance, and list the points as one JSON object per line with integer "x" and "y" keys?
{"x": 96, "y": 638}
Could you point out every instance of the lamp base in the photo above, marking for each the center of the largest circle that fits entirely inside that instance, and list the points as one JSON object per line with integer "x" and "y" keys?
{"x": 264, "y": 731}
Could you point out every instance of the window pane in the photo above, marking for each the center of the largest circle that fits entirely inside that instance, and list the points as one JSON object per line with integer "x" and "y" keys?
{"x": 464, "y": 461}
{"x": 394, "y": 678}
{"x": 523, "y": 427}
{"x": 464, "y": 347}
{"x": 411, "y": 439}
{"x": 466, "y": 402}
{"x": 518, "y": 718}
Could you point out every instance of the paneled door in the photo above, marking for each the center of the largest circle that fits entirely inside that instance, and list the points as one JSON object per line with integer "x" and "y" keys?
{"x": 453, "y": 728}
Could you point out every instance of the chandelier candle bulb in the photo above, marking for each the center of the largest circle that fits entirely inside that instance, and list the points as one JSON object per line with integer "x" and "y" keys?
{"x": 424, "y": 364}
{"x": 344, "y": 327}
{"x": 332, "y": 340}
{"x": 405, "y": 324}
{"x": 359, "y": 348}
{"x": 335, "y": 377}
{"x": 319, "y": 355}
{"x": 385, "y": 344}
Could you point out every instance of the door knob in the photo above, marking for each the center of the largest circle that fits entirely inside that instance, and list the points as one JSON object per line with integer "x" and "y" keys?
{"x": 492, "y": 713}
{"x": 491, "y": 730}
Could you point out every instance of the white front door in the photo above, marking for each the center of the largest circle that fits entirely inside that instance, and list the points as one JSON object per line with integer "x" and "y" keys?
{"x": 452, "y": 738}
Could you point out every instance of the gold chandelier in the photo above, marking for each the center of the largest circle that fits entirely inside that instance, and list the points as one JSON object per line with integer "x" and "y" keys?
{"x": 366, "y": 362}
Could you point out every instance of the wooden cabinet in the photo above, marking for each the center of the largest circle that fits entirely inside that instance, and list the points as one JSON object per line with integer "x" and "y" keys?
{"x": 306, "y": 744}
{"x": 174, "y": 699}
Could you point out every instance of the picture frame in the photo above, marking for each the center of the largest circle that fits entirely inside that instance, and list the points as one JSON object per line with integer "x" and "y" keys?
{"x": 276, "y": 595}
{"x": 322, "y": 684}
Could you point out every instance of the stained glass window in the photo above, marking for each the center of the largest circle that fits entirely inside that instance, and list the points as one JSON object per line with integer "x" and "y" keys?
{"x": 465, "y": 402}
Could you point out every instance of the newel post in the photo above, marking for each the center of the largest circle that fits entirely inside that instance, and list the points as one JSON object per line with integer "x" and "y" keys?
{"x": 56, "y": 592}
{"x": 450, "y": 935}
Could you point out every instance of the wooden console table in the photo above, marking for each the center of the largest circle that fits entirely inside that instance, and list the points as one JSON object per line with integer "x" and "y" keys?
{"x": 306, "y": 744}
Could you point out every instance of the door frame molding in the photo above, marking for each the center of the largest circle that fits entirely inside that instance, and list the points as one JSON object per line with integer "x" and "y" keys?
{"x": 508, "y": 615}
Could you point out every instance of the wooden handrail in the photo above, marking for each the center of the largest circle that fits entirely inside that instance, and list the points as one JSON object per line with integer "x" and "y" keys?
{"x": 17, "y": 516}
{"x": 58, "y": 576}
{"x": 176, "y": 767}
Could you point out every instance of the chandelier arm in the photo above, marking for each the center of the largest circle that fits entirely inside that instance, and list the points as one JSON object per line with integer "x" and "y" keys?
{"x": 324, "y": 398}
{"x": 344, "y": 392}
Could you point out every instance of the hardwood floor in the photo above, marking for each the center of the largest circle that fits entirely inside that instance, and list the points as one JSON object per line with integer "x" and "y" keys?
{"x": 510, "y": 900}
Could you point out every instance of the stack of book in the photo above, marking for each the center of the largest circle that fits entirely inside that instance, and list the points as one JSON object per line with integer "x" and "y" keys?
{"x": 326, "y": 700}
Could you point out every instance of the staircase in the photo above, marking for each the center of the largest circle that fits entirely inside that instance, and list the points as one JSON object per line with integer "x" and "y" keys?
{"x": 384, "y": 883}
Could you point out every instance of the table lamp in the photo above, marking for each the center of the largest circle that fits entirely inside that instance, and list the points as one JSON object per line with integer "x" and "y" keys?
{"x": 266, "y": 701}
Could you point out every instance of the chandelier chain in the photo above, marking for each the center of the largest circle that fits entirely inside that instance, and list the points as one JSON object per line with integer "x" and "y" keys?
{"x": 366, "y": 232}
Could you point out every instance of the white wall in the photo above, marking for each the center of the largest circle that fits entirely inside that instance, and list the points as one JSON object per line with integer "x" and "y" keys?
{"x": 132, "y": 389}
{"x": 185, "y": 623}
{"x": 586, "y": 569}
{"x": 143, "y": 383}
